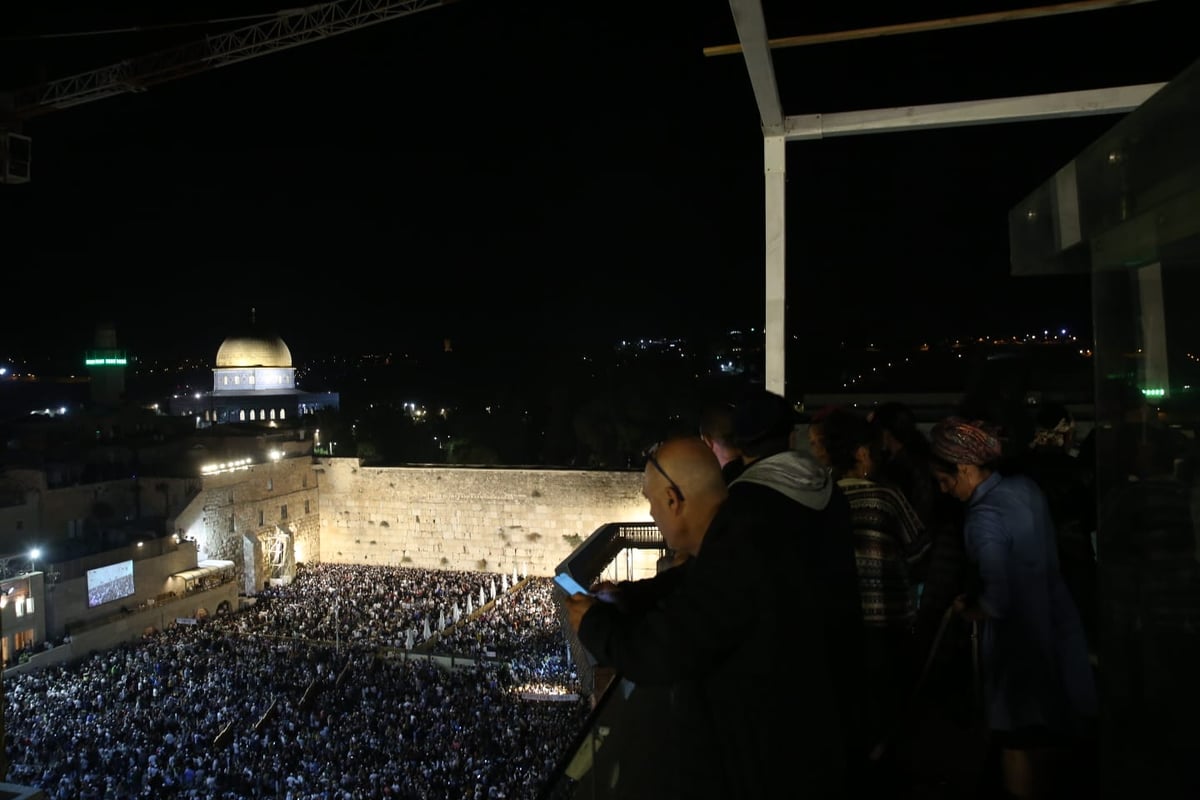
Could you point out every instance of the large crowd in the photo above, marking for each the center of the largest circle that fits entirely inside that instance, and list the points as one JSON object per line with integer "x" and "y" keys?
{"x": 322, "y": 689}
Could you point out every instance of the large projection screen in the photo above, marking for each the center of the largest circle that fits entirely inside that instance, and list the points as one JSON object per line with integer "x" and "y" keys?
{"x": 106, "y": 584}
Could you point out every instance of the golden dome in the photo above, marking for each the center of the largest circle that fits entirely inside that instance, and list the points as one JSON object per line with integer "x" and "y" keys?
{"x": 254, "y": 350}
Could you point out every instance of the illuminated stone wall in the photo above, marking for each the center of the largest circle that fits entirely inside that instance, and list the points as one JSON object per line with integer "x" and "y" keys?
{"x": 249, "y": 504}
{"x": 461, "y": 518}
{"x": 467, "y": 518}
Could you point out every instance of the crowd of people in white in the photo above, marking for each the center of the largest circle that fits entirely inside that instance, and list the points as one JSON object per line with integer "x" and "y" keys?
{"x": 323, "y": 689}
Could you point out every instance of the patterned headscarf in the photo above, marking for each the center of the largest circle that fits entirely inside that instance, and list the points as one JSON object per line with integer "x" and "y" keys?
{"x": 960, "y": 441}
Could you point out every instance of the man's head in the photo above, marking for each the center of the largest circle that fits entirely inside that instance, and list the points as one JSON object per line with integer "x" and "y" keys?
{"x": 896, "y": 425}
{"x": 763, "y": 424}
{"x": 684, "y": 486}
{"x": 716, "y": 429}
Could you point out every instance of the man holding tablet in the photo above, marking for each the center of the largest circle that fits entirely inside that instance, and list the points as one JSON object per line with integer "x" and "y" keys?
{"x": 747, "y": 717}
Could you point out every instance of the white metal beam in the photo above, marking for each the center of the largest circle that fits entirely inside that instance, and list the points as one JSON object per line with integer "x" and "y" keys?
{"x": 775, "y": 320}
{"x": 1027, "y": 108}
{"x": 752, "y": 33}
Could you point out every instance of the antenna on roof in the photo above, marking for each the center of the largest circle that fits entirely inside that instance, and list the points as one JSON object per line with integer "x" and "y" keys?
{"x": 252, "y": 316}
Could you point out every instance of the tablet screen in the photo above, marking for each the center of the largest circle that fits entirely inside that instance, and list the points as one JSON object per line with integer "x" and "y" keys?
{"x": 569, "y": 584}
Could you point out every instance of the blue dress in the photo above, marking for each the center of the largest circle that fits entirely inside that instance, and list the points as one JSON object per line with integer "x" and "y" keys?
{"x": 1034, "y": 652}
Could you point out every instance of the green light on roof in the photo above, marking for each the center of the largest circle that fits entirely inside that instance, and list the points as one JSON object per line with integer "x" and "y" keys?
{"x": 104, "y": 362}
{"x": 1154, "y": 392}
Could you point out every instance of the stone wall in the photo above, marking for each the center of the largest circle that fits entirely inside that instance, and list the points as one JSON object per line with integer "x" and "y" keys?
{"x": 468, "y": 518}
{"x": 254, "y": 505}
{"x": 461, "y": 518}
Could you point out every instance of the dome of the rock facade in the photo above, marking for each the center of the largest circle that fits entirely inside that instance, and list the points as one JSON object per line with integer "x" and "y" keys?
{"x": 254, "y": 350}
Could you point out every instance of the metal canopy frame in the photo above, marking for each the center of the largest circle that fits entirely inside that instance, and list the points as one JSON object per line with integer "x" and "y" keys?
{"x": 779, "y": 129}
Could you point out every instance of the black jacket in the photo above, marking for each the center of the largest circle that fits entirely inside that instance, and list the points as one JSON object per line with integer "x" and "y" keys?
{"x": 719, "y": 631}
{"x": 791, "y": 492}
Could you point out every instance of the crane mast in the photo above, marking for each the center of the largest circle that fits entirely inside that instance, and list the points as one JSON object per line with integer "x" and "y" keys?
{"x": 287, "y": 29}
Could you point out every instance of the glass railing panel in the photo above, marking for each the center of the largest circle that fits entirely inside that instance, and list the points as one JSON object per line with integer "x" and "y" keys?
{"x": 1127, "y": 211}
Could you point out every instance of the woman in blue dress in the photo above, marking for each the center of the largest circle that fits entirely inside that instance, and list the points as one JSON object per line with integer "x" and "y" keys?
{"x": 1039, "y": 689}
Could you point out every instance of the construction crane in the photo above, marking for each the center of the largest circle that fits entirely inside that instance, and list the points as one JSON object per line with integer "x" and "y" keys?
{"x": 287, "y": 29}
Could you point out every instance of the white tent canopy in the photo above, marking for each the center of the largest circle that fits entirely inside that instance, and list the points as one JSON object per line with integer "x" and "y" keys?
{"x": 203, "y": 569}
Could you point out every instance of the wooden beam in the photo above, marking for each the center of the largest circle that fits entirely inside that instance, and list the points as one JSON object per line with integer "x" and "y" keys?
{"x": 945, "y": 23}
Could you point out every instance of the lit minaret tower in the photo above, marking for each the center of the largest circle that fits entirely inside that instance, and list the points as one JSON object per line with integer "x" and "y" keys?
{"x": 106, "y": 366}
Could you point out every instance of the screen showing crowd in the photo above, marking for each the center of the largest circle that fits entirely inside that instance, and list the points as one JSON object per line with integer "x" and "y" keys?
{"x": 106, "y": 584}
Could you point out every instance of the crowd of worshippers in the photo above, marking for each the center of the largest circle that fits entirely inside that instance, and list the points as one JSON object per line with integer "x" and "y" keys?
{"x": 399, "y": 607}
{"x": 270, "y": 701}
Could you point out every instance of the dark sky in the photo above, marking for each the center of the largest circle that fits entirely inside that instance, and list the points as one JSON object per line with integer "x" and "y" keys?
{"x": 537, "y": 172}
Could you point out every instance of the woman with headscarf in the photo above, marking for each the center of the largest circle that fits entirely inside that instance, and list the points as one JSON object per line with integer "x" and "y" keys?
{"x": 1039, "y": 690}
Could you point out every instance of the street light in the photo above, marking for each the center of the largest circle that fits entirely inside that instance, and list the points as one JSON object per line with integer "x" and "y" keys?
{"x": 34, "y": 555}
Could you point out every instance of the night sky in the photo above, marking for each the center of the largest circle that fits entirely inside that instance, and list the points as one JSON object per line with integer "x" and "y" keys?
{"x": 537, "y": 174}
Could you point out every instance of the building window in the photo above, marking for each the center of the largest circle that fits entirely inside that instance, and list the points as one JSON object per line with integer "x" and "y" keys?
{"x": 231, "y": 523}
{"x": 237, "y": 379}
{"x": 250, "y": 380}
{"x": 22, "y": 639}
{"x": 306, "y": 508}
{"x": 283, "y": 413}
{"x": 262, "y": 517}
{"x": 270, "y": 484}
{"x": 272, "y": 413}
{"x": 303, "y": 483}
{"x": 242, "y": 415}
{"x": 283, "y": 512}
{"x": 225, "y": 379}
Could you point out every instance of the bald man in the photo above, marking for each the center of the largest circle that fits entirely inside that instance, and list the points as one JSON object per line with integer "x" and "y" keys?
{"x": 745, "y": 716}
